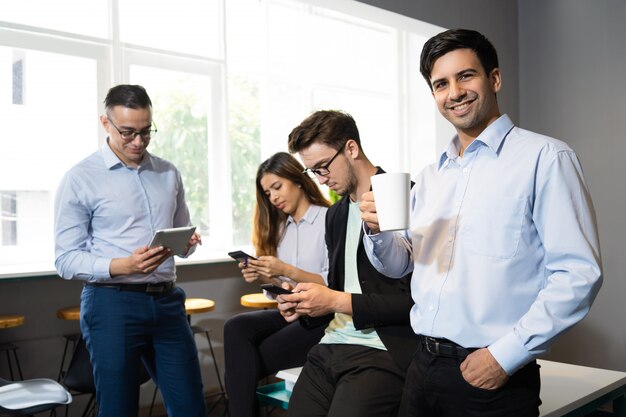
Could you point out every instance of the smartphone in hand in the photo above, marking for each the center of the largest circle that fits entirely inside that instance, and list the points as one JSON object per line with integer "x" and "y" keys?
{"x": 241, "y": 256}
{"x": 275, "y": 289}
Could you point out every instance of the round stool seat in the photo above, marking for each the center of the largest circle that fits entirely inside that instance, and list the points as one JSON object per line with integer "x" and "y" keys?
{"x": 11, "y": 321}
{"x": 199, "y": 305}
{"x": 69, "y": 313}
{"x": 257, "y": 300}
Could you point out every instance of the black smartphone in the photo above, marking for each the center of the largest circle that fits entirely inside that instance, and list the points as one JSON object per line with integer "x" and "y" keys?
{"x": 241, "y": 256}
{"x": 275, "y": 289}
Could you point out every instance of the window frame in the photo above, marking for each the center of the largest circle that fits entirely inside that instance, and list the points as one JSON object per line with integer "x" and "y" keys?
{"x": 418, "y": 120}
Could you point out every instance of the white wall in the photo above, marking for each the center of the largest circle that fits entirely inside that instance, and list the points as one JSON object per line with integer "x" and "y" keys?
{"x": 573, "y": 87}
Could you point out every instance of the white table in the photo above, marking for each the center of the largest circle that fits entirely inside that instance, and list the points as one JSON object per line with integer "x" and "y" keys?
{"x": 575, "y": 391}
{"x": 566, "y": 390}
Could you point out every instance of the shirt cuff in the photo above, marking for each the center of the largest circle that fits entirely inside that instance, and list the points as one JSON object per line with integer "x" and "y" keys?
{"x": 510, "y": 353}
{"x": 372, "y": 242}
{"x": 101, "y": 269}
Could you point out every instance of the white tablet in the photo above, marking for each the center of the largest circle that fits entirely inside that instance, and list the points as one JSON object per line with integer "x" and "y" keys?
{"x": 175, "y": 238}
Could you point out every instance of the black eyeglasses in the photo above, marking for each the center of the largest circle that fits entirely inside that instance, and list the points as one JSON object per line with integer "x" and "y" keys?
{"x": 323, "y": 170}
{"x": 129, "y": 135}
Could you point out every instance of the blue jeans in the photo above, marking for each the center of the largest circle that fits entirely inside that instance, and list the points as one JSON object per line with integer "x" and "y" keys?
{"x": 120, "y": 329}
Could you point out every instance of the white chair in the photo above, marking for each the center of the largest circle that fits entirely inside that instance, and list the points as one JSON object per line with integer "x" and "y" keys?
{"x": 23, "y": 398}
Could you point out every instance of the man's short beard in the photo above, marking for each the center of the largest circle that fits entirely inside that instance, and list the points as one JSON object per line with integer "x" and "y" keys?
{"x": 351, "y": 183}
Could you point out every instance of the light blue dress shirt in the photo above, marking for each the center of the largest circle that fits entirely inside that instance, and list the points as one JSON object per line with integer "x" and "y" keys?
{"x": 303, "y": 244}
{"x": 503, "y": 245}
{"x": 106, "y": 210}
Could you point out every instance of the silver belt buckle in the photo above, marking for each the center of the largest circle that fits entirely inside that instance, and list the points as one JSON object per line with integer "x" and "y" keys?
{"x": 430, "y": 340}
{"x": 155, "y": 288}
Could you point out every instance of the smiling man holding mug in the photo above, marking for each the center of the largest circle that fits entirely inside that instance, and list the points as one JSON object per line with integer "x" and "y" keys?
{"x": 503, "y": 246}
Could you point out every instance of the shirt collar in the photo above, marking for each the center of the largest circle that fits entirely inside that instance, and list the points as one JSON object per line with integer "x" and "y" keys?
{"x": 111, "y": 160}
{"x": 491, "y": 137}
{"x": 311, "y": 214}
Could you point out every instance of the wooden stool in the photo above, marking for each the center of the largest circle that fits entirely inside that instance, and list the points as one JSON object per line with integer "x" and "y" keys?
{"x": 204, "y": 305}
{"x": 5, "y": 323}
{"x": 257, "y": 300}
{"x": 198, "y": 305}
{"x": 68, "y": 313}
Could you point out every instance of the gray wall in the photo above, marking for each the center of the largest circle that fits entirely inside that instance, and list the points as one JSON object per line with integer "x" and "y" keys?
{"x": 572, "y": 86}
{"x": 41, "y": 341}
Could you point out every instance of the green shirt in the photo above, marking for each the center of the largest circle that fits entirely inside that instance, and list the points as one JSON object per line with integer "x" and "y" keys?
{"x": 341, "y": 329}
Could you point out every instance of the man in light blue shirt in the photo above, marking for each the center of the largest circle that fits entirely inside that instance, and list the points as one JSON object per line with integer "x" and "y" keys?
{"x": 503, "y": 246}
{"x": 107, "y": 209}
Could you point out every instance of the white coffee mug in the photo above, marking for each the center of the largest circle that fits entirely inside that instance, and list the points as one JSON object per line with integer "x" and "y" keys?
{"x": 391, "y": 194}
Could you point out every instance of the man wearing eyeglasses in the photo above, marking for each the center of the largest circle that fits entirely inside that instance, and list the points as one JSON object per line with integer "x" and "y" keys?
{"x": 358, "y": 368}
{"x": 107, "y": 208}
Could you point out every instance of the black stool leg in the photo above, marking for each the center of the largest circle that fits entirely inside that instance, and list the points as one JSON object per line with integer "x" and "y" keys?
{"x": 222, "y": 393}
{"x": 156, "y": 389}
{"x": 9, "y": 363}
{"x": 8, "y": 348}
{"x": 17, "y": 363}
{"x": 73, "y": 337}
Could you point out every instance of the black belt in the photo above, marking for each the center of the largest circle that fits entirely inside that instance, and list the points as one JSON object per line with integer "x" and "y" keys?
{"x": 445, "y": 348}
{"x": 152, "y": 288}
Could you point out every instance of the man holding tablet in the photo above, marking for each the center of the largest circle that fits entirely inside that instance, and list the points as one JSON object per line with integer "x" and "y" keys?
{"x": 107, "y": 209}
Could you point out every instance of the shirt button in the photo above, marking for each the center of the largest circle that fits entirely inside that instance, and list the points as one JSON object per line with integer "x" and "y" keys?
{"x": 465, "y": 170}
{"x": 431, "y": 308}
{"x": 450, "y": 238}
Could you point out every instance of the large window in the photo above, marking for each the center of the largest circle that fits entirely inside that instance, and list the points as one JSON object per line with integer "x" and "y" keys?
{"x": 228, "y": 81}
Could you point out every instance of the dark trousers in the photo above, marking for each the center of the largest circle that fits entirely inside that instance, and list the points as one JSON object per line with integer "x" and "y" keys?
{"x": 347, "y": 381}
{"x": 258, "y": 344}
{"x": 122, "y": 327}
{"x": 435, "y": 387}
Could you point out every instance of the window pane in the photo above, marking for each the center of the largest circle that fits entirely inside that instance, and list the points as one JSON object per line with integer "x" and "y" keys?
{"x": 351, "y": 64}
{"x": 54, "y": 129}
{"x": 181, "y": 103}
{"x": 8, "y": 218}
{"x": 244, "y": 131}
{"x": 375, "y": 118}
{"x": 187, "y": 26}
{"x": 359, "y": 55}
{"x": 89, "y": 18}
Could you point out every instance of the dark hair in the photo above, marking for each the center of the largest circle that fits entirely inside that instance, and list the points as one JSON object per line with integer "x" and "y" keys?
{"x": 454, "y": 39}
{"x": 268, "y": 220}
{"x": 330, "y": 127}
{"x": 131, "y": 96}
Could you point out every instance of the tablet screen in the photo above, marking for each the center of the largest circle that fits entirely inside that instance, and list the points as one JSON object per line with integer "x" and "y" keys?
{"x": 175, "y": 238}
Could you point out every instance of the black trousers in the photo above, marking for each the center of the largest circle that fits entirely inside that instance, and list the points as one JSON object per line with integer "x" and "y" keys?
{"x": 347, "y": 381}
{"x": 435, "y": 387}
{"x": 258, "y": 344}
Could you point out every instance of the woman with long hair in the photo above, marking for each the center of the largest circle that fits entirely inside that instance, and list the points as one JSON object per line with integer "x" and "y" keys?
{"x": 288, "y": 237}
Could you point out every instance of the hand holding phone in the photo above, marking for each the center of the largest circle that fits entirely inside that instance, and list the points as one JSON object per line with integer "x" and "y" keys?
{"x": 241, "y": 256}
{"x": 275, "y": 289}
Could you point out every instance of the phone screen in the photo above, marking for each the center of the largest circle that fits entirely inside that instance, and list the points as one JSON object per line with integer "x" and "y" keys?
{"x": 240, "y": 256}
{"x": 275, "y": 289}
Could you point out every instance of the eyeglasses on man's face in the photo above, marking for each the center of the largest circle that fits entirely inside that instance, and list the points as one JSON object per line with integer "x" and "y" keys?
{"x": 323, "y": 171}
{"x": 145, "y": 134}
